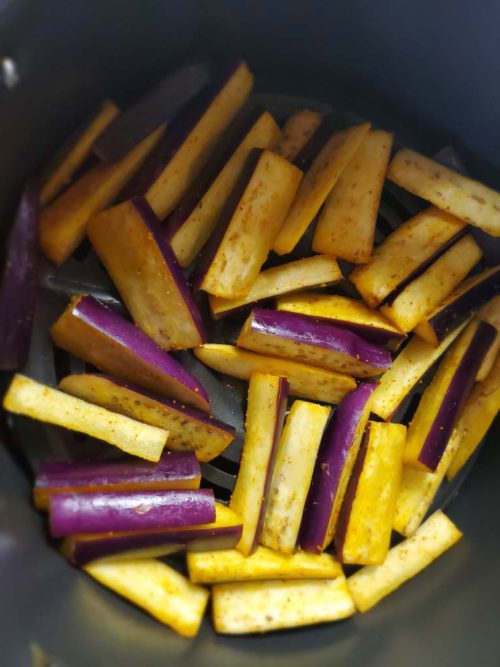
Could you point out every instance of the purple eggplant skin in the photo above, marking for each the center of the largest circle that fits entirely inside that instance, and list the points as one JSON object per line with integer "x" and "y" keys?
{"x": 226, "y": 147}
{"x": 19, "y": 282}
{"x": 458, "y": 391}
{"x": 371, "y": 334}
{"x": 160, "y": 105}
{"x": 390, "y": 298}
{"x": 60, "y": 475}
{"x": 208, "y": 253}
{"x": 124, "y": 334}
{"x": 73, "y": 513}
{"x": 319, "y": 333}
{"x": 350, "y": 495}
{"x": 155, "y": 227}
{"x": 333, "y": 451}
{"x": 281, "y": 405}
{"x": 81, "y": 549}
{"x": 176, "y": 133}
{"x": 456, "y": 312}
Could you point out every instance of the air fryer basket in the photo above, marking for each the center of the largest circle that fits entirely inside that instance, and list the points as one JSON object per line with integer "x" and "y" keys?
{"x": 434, "y": 618}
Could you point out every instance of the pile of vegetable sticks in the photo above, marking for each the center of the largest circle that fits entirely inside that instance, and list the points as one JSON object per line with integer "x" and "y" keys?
{"x": 194, "y": 174}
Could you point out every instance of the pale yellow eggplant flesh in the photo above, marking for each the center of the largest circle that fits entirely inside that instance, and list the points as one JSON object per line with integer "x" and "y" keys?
{"x": 38, "y": 401}
{"x": 157, "y": 588}
{"x": 316, "y": 185}
{"x": 266, "y": 407}
{"x": 374, "y": 582}
{"x": 404, "y": 254}
{"x": 450, "y": 191}
{"x": 292, "y": 474}
{"x": 309, "y": 382}
{"x": 364, "y": 526}
{"x": 346, "y": 226}
{"x": 264, "y": 606}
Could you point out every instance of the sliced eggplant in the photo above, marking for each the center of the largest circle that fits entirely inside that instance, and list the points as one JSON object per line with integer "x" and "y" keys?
{"x": 305, "y": 381}
{"x": 450, "y": 191}
{"x": 292, "y": 475}
{"x": 478, "y": 414}
{"x": 405, "y": 254}
{"x": 418, "y": 490}
{"x": 63, "y": 222}
{"x": 346, "y": 226}
{"x": 78, "y": 151}
{"x": 316, "y": 271}
{"x": 336, "y": 458}
{"x": 374, "y": 582}
{"x": 318, "y": 181}
{"x": 109, "y": 511}
{"x": 157, "y": 588}
{"x": 175, "y": 470}
{"x": 247, "y": 229}
{"x": 344, "y": 312}
{"x": 99, "y": 335}
{"x": 297, "y": 131}
{"x": 215, "y": 567}
{"x": 444, "y": 398}
{"x": 130, "y": 242}
{"x": 189, "y": 430}
{"x": 307, "y": 339}
{"x": 223, "y": 533}
{"x": 33, "y": 399}
{"x": 364, "y": 526}
{"x": 459, "y": 305}
{"x": 423, "y": 294}
{"x": 490, "y": 312}
{"x": 189, "y": 142}
{"x": 407, "y": 370}
{"x": 19, "y": 283}
{"x": 192, "y": 222}
{"x": 160, "y": 105}
{"x": 263, "y": 606}
{"x": 266, "y": 407}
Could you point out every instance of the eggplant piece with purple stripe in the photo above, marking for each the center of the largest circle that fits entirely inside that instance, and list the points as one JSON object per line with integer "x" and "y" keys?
{"x": 291, "y": 478}
{"x": 130, "y": 242}
{"x": 159, "y": 105}
{"x": 188, "y": 429}
{"x": 468, "y": 296}
{"x": 195, "y": 218}
{"x": 267, "y": 398}
{"x": 336, "y": 458}
{"x": 423, "y": 294}
{"x": 346, "y": 313}
{"x": 108, "y": 511}
{"x": 297, "y": 132}
{"x": 406, "y": 254}
{"x": 442, "y": 401}
{"x": 223, "y": 533}
{"x": 74, "y": 155}
{"x": 19, "y": 283}
{"x": 175, "y": 470}
{"x": 313, "y": 341}
{"x": 364, "y": 526}
{"x": 248, "y": 226}
{"x": 188, "y": 142}
{"x": 99, "y": 335}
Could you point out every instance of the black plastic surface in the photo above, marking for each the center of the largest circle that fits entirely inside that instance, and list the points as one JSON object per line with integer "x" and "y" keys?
{"x": 428, "y": 70}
